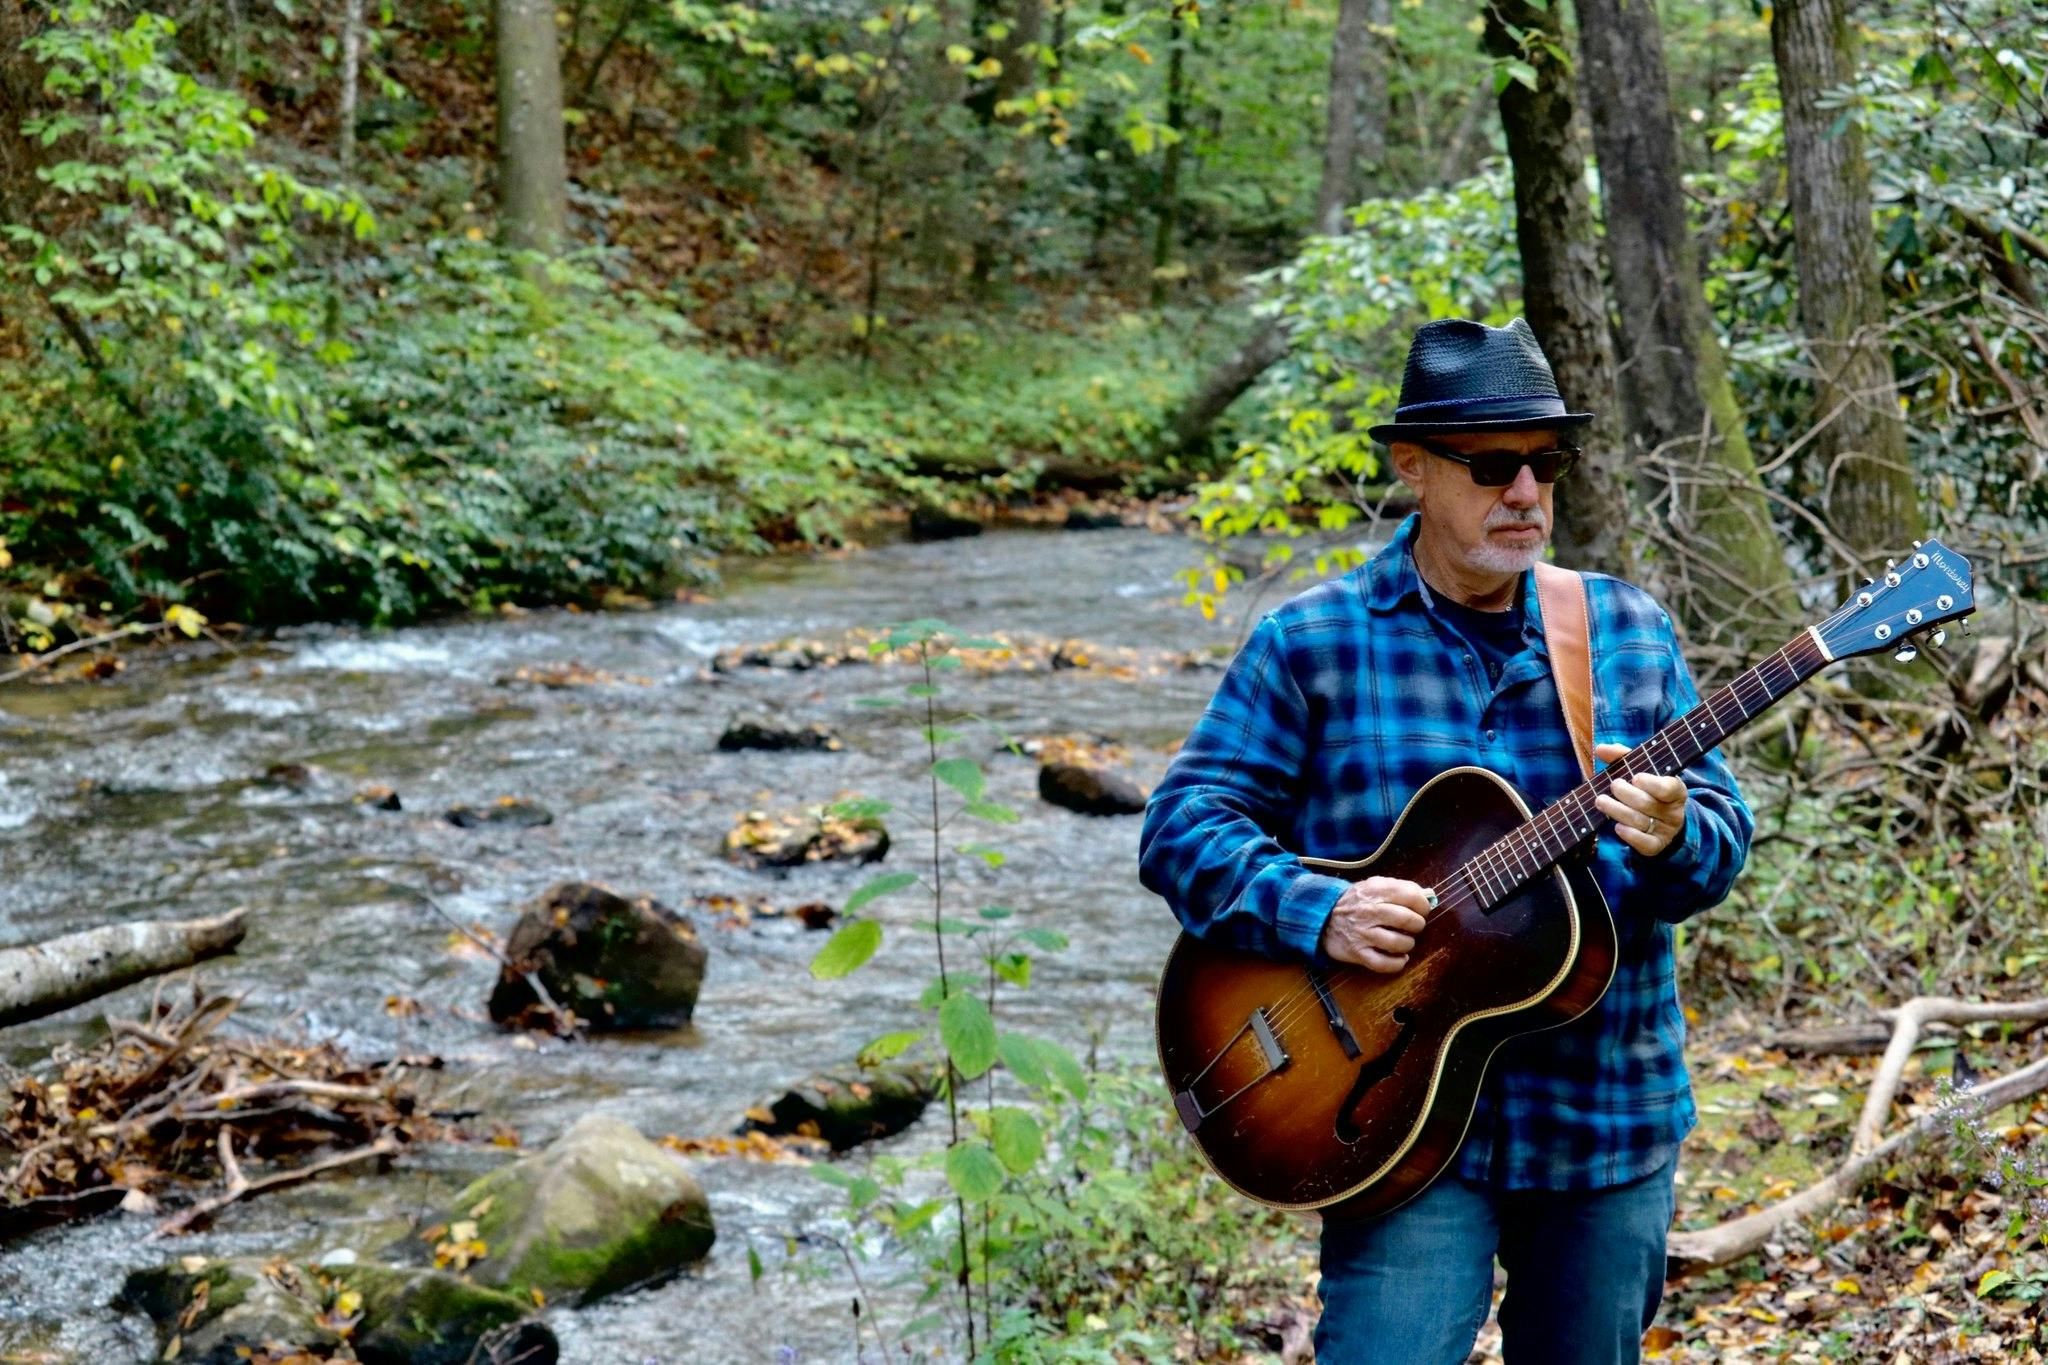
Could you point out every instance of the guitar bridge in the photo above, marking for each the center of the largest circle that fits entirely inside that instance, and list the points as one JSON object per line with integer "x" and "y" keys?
{"x": 1190, "y": 1109}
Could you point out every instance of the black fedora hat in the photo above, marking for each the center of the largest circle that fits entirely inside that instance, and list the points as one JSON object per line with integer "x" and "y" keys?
{"x": 1466, "y": 376}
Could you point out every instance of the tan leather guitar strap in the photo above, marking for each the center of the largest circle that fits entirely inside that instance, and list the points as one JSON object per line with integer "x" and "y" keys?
{"x": 1561, "y": 594}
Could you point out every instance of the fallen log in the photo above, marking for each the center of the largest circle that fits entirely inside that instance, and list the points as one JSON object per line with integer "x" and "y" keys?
{"x": 1907, "y": 1021}
{"x": 43, "y": 978}
{"x": 1739, "y": 1237}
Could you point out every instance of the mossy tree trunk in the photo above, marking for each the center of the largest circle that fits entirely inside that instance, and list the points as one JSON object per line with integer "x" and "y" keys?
{"x": 1861, "y": 446}
{"x": 1673, "y": 376}
{"x": 1561, "y": 290}
{"x": 533, "y": 177}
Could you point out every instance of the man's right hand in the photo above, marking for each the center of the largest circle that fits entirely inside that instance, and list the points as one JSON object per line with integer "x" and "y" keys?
{"x": 1375, "y": 923}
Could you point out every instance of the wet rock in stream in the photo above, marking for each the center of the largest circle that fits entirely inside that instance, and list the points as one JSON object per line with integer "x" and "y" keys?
{"x": 599, "y": 1210}
{"x": 762, "y": 731}
{"x": 763, "y": 839}
{"x": 847, "y": 1107}
{"x": 1090, "y": 790}
{"x": 618, "y": 963}
{"x": 224, "y": 1312}
{"x": 508, "y": 812}
{"x": 929, "y": 523}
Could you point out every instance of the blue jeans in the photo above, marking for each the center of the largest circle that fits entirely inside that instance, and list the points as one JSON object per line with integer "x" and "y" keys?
{"x": 1585, "y": 1275}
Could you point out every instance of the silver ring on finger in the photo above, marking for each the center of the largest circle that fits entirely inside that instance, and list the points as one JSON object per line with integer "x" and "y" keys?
{"x": 1651, "y": 828}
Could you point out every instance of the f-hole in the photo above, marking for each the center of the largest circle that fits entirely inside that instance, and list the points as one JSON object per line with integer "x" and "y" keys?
{"x": 1372, "y": 1072}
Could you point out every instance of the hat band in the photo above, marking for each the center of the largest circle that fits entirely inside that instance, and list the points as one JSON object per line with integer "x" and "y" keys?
{"x": 1533, "y": 405}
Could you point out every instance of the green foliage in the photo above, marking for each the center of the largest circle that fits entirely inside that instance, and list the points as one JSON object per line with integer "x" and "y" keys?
{"x": 180, "y": 241}
{"x": 1349, "y": 304}
{"x": 1122, "y": 1245}
{"x": 1815, "y": 918}
{"x": 991, "y": 1145}
{"x": 1946, "y": 103}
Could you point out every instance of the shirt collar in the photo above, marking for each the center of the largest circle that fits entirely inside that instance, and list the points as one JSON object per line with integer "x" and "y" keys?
{"x": 1390, "y": 578}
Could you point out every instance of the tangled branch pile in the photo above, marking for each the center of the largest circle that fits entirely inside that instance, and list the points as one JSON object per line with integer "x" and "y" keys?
{"x": 166, "y": 1100}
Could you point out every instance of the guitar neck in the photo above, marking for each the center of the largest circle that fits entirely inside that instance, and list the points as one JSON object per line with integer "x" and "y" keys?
{"x": 1572, "y": 818}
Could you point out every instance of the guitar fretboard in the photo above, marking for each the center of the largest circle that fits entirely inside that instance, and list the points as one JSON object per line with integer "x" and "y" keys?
{"x": 1497, "y": 870}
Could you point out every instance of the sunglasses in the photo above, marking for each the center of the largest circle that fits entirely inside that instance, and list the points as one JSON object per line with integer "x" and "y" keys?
{"x": 1499, "y": 468}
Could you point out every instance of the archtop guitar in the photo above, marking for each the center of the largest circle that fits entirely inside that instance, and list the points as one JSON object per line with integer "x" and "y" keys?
{"x": 1349, "y": 1090}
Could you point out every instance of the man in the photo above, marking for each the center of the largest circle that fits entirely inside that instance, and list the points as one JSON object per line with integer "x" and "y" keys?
{"x": 1342, "y": 703}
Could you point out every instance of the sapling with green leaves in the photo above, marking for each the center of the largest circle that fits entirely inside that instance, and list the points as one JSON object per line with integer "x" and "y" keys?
{"x": 990, "y": 1143}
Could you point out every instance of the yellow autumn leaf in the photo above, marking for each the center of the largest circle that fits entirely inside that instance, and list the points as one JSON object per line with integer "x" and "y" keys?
{"x": 349, "y": 1303}
{"x": 1847, "y": 1286}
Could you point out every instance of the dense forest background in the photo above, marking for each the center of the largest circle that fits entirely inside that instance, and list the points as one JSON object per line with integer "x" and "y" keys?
{"x": 274, "y": 351}
{"x": 374, "y": 312}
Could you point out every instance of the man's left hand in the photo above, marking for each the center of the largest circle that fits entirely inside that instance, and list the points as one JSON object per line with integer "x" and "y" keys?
{"x": 1648, "y": 810}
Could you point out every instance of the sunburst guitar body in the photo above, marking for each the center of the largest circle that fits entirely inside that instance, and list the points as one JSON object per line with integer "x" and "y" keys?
{"x": 1350, "y": 1090}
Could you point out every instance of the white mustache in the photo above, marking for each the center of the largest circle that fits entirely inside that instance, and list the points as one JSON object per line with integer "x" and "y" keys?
{"x": 1500, "y": 519}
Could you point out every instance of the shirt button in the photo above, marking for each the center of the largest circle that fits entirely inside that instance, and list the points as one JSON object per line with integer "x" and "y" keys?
{"x": 1489, "y": 736}
{"x": 1468, "y": 658}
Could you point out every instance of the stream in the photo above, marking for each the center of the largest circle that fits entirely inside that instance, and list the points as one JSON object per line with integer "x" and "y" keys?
{"x": 140, "y": 797}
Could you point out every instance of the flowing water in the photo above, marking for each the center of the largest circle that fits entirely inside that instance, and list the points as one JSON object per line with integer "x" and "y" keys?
{"x": 139, "y": 797}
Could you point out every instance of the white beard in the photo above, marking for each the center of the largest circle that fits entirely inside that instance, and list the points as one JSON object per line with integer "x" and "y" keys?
{"x": 1491, "y": 558}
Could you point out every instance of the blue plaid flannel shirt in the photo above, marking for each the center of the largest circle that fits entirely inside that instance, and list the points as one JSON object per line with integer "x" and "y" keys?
{"x": 1342, "y": 703}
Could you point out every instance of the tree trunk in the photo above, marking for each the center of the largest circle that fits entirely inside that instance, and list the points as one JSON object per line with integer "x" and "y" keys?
{"x": 1020, "y": 66}
{"x": 1268, "y": 345}
{"x": 1340, "y": 138}
{"x": 1674, "y": 381}
{"x": 1169, "y": 175}
{"x": 43, "y": 978}
{"x": 1370, "y": 164}
{"x": 533, "y": 193}
{"x": 1862, "y": 443}
{"x": 1561, "y": 289}
{"x": 351, "y": 79}
{"x": 1455, "y": 163}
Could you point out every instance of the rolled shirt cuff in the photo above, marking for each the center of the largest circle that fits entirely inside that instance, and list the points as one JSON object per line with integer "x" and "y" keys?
{"x": 1304, "y": 910}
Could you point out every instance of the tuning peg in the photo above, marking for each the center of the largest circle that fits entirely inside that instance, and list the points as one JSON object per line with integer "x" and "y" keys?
{"x": 1916, "y": 544}
{"x": 1964, "y": 625}
{"x": 1938, "y": 639}
{"x": 1891, "y": 563}
{"x": 1907, "y": 653}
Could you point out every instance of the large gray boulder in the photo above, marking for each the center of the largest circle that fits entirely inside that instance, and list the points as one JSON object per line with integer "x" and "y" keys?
{"x": 599, "y": 1210}
{"x": 618, "y": 963}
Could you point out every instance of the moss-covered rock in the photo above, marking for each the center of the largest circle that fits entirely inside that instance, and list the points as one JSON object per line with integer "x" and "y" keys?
{"x": 414, "y": 1316}
{"x": 598, "y": 1211}
{"x": 237, "y": 1308}
{"x": 618, "y": 963}
{"x": 848, "y": 1107}
{"x": 405, "y": 1315}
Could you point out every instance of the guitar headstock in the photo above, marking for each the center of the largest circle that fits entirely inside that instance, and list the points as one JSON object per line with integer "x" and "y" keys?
{"x": 1932, "y": 588}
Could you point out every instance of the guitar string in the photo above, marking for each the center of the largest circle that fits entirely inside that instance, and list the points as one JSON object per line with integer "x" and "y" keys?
{"x": 1302, "y": 1000}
